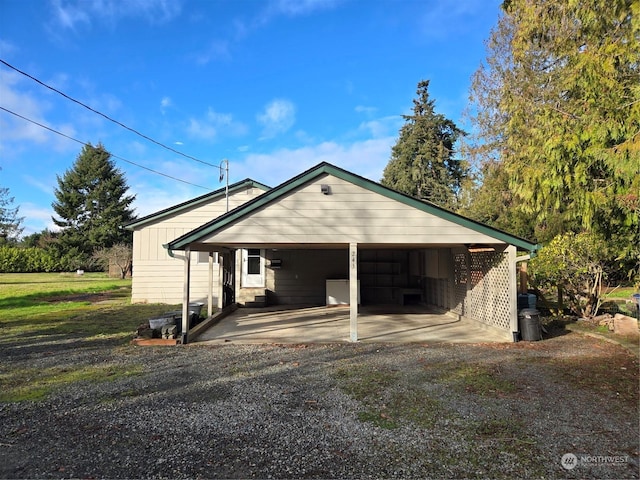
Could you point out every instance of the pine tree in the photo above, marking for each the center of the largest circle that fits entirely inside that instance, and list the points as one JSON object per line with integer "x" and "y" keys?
{"x": 92, "y": 204}
{"x": 422, "y": 163}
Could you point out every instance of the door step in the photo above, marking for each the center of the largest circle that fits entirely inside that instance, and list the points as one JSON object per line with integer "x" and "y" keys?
{"x": 258, "y": 302}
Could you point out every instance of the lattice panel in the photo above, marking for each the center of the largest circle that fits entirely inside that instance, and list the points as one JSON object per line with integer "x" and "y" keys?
{"x": 489, "y": 302}
{"x": 460, "y": 272}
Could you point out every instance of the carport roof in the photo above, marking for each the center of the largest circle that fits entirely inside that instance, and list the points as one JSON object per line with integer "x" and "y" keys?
{"x": 324, "y": 168}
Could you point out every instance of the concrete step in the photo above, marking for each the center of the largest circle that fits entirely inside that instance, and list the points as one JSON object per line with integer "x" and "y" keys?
{"x": 256, "y": 304}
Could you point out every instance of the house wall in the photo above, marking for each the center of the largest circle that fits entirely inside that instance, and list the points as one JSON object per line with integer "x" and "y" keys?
{"x": 302, "y": 278}
{"x": 439, "y": 277}
{"x": 159, "y": 278}
{"x": 349, "y": 214}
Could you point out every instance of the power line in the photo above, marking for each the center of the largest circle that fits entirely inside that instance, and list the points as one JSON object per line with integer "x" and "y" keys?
{"x": 87, "y": 144}
{"x": 106, "y": 116}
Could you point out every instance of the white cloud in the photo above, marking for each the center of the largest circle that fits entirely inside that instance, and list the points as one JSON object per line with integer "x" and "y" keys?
{"x": 442, "y": 19}
{"x": 215, "y": 124}
{"x": 217, "y": 50}
{"x": 295, "y": 8}
{"x": 71, "y": 13}
{"x": 278, "y": 116}
{"x": 165, "y": 102}
{"x": 381, "y": 127}
{"x": 366, "y": 110}
{"x": 161, "y": 193}
{"x": 367, "y": 158}
{"x": 7, "y": 48}
{"x": 36, "y": 219}
{"x": 18, "y": 132}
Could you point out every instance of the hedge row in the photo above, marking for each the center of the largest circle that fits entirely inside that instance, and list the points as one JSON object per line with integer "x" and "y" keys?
{"x": 28, "y": 260}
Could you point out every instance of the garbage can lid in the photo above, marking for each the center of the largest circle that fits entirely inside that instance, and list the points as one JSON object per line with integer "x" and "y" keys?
{"x": 528, "y": 312}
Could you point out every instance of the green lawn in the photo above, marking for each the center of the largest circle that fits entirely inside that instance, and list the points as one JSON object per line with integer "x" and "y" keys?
{"x": 52, "y": 309}
{"x": 91, "y": 306}
{"x": 620, "y": 292}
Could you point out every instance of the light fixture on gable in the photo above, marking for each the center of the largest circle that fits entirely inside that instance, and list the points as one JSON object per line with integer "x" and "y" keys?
{"x": 325, "y": 189}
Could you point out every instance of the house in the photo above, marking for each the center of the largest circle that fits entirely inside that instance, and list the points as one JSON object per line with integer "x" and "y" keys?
{"x": 330, "y": 236}
{"x": 157, "y": 276}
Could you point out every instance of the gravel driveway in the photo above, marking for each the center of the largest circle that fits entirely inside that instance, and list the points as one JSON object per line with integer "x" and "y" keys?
{"x": 328, "y": 411}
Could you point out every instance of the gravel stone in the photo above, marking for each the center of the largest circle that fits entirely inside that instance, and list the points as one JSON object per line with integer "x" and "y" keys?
{"x": 283, "y": 411}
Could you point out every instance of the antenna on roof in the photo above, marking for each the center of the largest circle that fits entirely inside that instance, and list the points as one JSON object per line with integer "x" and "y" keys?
{"x": 224, "y": 173}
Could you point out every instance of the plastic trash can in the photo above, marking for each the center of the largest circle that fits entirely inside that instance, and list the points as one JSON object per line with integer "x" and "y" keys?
{"x": 530, "y": 326}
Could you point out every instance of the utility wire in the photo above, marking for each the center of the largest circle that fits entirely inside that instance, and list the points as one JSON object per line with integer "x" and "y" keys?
{"x": 106, "y": 116}
{"x": 87, "y": 144}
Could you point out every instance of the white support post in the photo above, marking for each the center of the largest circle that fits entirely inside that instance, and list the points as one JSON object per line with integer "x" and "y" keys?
{"x": 513, "y": 291}
{"x": 185, "y": 295}
{"x": 353, "y": 292}
{"x": 221, "y": 265}
{"x": 210, "y": 291}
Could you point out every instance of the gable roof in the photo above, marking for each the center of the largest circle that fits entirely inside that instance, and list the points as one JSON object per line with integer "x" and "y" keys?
{"x": 323, "y": 168}
{"x": 203, "y": 199}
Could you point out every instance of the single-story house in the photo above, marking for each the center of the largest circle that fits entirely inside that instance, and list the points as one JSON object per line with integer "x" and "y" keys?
{"x": 328, "y": 236}
{"x": 157, "y": 276}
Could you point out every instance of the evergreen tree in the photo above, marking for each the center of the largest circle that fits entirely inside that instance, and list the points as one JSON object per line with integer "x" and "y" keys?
{"x": 92, "y": 205}
{"x": 10, "y": 223}
{"x": 422, "y": 163}
{"x": 558, "y": 103}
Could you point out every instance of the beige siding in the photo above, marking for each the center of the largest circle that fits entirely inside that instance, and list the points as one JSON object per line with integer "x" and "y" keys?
{"x": 349, "y": 214}
{"x": 302, "y": 278}
{"x": 159, "y": 278}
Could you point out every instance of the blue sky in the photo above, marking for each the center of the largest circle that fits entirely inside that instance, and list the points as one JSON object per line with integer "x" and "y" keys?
{"x": 274, "y": 86}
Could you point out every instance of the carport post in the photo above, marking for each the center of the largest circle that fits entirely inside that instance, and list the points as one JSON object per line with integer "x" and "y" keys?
{"x": 513, "y": 291}
{"x": 185, "y": 295}
{"x": 210, "y": 290}
{"x": 353, "y": 292}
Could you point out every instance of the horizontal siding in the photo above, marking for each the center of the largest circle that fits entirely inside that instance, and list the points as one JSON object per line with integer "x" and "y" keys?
{"x": 350, "y": 214}
{"x": 302, "y": 278}
{"x": 162, "y": 282}
{"x": 159, "y": 278}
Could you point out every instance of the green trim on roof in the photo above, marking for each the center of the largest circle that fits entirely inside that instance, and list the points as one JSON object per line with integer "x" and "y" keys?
{"x": 274, "y": 194}
{"x": 154, "y": 217}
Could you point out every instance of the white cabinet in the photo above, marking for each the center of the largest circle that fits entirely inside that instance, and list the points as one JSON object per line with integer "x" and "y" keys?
{"x": 338, "y": 292}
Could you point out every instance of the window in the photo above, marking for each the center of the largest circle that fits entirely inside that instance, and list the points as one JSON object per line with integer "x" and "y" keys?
{"x": 253, "y": 261}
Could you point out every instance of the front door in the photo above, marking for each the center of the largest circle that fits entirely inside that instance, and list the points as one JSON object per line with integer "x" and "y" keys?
{"x": 252, "y": 267}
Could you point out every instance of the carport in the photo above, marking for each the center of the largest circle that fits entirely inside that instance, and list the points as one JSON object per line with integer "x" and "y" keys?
{"x": 328, "y": 228}
{"x": 296, "y": 324}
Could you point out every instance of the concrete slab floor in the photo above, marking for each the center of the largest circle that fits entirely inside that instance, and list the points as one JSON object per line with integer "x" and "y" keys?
{"x": 384, "y": 324}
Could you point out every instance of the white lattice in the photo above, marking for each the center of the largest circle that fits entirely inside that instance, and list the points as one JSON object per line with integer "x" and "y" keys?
{"x": 489, "y": 302}
{"x": 460, "y": 273}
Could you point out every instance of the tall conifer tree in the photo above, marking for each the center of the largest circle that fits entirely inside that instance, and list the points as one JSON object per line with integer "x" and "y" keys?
{"x": 422, "y": 161}
{"x": 92, "y": 204}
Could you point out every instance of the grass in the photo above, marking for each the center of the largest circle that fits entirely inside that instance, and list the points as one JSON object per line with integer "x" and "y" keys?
{"x": 621, "y": 293}
{"x": 479, "y": 379}
{"x": 64, "y": 311}
{"x": 92, "y": 306}
{"x": 32, "y": 384}
{"x": 388, "y": 398}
